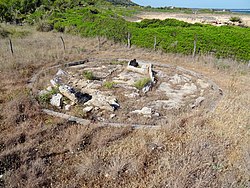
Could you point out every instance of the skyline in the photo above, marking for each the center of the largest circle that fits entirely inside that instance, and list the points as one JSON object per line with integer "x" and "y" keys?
{"x": 222, "y": 4}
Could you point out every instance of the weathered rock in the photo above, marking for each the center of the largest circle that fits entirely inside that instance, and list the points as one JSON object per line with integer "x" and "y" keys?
{"x": 56, "y": 100}
{"x": 203, "y": 84}
{"x": 132, "y": 95}
{"x": 197, "y": 102}
{"x": 144, "y": 111}
{"x": 177, "y": 79}
{"x": 61, "y": 72}
{"x": 103, "y": 102}
{"x": 49, "y": 88}
{"x": 88, "y": 109}
{"x": 141, "y": 70}
{"x": 55, "y": 82}
{"x": 75, "y": 97}
{"x": 112, "y": 116}
{"x": 147, "y": 88}
{"x": 67, "y": 107}
{"x": 68, "y": 92}
{"x": 188, "y": 89}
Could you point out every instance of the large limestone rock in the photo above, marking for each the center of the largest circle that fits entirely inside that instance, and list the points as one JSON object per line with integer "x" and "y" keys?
{"x": 145, "y": 111}
{"x": 108, "y": 103}
{"x": 75, "y": 97}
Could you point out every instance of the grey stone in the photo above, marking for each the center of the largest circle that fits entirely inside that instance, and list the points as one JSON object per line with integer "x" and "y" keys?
{"x": 75, "y": 97}
{"x": 198, "y": 102}
{"x": 61, "y": 72}
{"x": 68, "y": 92}
{"x": 55, "y": 82}
{"x": 56, "y": 100}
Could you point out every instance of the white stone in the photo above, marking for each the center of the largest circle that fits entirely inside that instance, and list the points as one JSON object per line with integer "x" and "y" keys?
{"x": 67, "y": 107}
{"x": 61, "y": 72}
{"x": 144, "y": 111}
{"x": 56, "y": 100}
{"x": 132, "y": 95}
{"x": 1, "y": 176}
{"x": 88, "y": 109}
{"x": 112, "y": 116}
{"x": 102, "y": 102}
{"x": 49, "y": 88}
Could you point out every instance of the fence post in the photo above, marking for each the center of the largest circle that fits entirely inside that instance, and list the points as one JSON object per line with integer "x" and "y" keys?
{"x": 195, "y": 43}
{"x": 155, "y": 43}
{"x": 129, "y": 40}
{"x": 11, "y": 47}
{"x": 64, "y": 48}
{"x": 99, "y": 43}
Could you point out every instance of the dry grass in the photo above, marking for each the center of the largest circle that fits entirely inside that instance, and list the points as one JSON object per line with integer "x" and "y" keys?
{"x": 198, "y": 150}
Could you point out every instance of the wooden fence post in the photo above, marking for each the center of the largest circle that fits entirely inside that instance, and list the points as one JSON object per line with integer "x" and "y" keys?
{"x": 11, "y": 47}
{"x": 99, "y": 43}
{"x": 64, "y": 48}
{"x": 155, "y": 43}
{"x": 129, "y": 40}
{"x": 195, "y": 43}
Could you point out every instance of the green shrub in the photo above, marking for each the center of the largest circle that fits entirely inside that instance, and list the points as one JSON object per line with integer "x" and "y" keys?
{"x": 44, "y": 26}
{"x": 45, "y": 98}
{"x": 88, "y": 75}
{"x": 142, "y": 83}
{"x": 109, "y": 84}
{"x": 4, "y": 33}
{"x": 236, "y": 19}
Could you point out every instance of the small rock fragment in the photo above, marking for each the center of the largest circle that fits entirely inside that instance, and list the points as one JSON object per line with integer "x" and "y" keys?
{"x": 88, "y": 109}
{"x": 198, "y": 102}
{"x": 61, "y": 72}
{"x": 112, "y": 116}
{"x": 55, "y": 82}
{"x": 49, "y": 88}
{"x": 67, "y": 107}
{"x": 56, "y": 100}
{"x": 144, "y": 111}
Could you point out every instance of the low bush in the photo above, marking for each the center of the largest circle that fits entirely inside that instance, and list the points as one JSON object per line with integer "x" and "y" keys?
{"x": 109, "y": 84}
{"x": 88, "y": 75}
{"x": 236, "y": 19}
{"x": 142, "y": 83}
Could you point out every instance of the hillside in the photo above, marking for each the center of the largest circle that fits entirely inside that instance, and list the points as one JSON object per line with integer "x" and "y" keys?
{"x": 122, "y": 2}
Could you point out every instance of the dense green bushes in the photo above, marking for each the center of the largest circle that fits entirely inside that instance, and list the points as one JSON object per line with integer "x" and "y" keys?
{"x": 90, "y": 18}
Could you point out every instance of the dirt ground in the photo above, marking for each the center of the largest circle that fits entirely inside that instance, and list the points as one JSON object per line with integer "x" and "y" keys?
{"x": 192, "y": 18}
{"x": 194, "y": 150}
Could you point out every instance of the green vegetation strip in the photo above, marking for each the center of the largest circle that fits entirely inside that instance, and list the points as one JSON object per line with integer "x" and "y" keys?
{"x": 91, "y": 18}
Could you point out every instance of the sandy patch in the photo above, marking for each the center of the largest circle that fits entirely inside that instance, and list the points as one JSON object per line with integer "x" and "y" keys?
{"x": 192, "y": 18}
